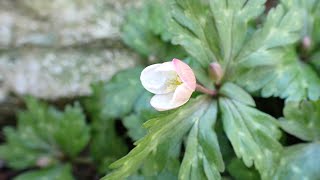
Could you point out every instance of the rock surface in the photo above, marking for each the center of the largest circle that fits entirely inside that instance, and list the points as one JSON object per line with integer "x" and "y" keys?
{"x": 54, "y": 49}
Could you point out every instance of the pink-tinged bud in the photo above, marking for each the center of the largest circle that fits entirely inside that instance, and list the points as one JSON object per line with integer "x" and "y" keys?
{"x": 172, "y": 83}
{"x": 306, "y": 42}
{"x": 43, "y": 162}
{"x": 216, "y": 72}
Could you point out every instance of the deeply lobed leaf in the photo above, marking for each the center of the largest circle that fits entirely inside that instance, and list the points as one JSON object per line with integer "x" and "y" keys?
{"x": 41, "y": 134}
{"x": 291, "y": 79}
{"x": 167, "y": 131}
{"x": 253, "y": 134}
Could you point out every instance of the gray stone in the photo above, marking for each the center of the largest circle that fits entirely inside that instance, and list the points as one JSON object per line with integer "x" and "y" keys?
{"x": 53, "y": 49}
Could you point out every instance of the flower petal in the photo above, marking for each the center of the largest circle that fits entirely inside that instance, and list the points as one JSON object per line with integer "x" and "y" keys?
{"x": 185, "y": 73}
{"x": 163, "y": 102}
{"x": 182, "y": 94}
{"x": 156, "y": 78}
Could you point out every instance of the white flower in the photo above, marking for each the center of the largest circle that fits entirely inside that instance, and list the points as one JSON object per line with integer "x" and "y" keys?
{"x": 172, "y": 83}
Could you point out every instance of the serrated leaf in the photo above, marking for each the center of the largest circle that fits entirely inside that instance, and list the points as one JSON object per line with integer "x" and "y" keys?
{"x": 264, "y": 47}
{"x": 300, "y": 161}
{"x": 166, "y": 130}
{"x": 72, "y": 125}
{"x": 58, "y": 172}
{"x": 187, "y": 29}
{"x": 253, "y": 135}
{"x": 218, "y": 30}
{"x": 202, "y": 159}
{"x": 41, "y": 133}
{"x": 290, "y": 79}
{"x": 231, "y": 21}
{"x": 302, "y": 119}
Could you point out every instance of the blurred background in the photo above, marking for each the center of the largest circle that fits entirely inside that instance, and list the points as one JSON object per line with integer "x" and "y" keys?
{"x": 54, "y": 50}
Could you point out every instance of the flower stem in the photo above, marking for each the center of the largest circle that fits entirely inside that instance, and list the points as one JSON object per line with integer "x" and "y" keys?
{"x": 205, "y": 90}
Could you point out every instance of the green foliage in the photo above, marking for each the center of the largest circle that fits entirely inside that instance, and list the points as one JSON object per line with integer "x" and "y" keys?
{"x": 109, "y": 101}
{"x": 164, "y": 137}
{"x": 146, "y": 32}
{"x": 220, "y": 31}
{"x": 58, "y": 172}
{"x": 290, "y": 79}
{"x": 142, "y": 112}
{"x": 300, "y": 162}
{"x": 302, "y": 119}
{"x": 315, "y": 61}
{"x": 44, "y": 134}
{"x": 106, "y": 145}
{"x": 258, "y": 54}
{"x": 311, "y": 17}
{"x": 117, "y": 97}
{"x": 239, "y": 171}
{"x": 202, "y": 159}
{"x": 254, "y": 58}
{"x": 253, "y": 134}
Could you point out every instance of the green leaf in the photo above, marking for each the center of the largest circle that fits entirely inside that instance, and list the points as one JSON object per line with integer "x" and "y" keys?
{"x": 145, "y": 31}
{"x": 218, "y": 30}
{"x": 187, "y": 28}
{"x": 58, "y": 172}
{"x": 253, "y": 134}
{"x": 235, "y": 92}
{"x": 122, "y": 97}
{"x": 290, "y": 79}
{"x": 142, "y": 112}
{"x": 311, "y": 12}
{"x": 299, "y": 162}
{"x": 302, "y": 120}
{"x": 164, "y": 175}
{"x": 165, "y": 134}
{"x": 71, "y": 123}
{"x": 106, "y": 145}
{"x": 264, "y": 47}
{"x": 117, "y": 97}
{"x": 315, "y": 61}
{"x": 41, "y": 134}
{"x": 239, "y": 171}
{"x": 202, "y": 159}
{"x": 134, "y": 124}
{"x": 231, "y": 21}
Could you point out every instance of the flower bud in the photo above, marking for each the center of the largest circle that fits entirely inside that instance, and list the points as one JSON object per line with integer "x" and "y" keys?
{"x": 43, "y": 162}
{"x": 306, "y": 42}
{"x": 216, "y": 72}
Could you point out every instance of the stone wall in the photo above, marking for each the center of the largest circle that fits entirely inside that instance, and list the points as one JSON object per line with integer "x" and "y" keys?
{"x": 54, "y": 49}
